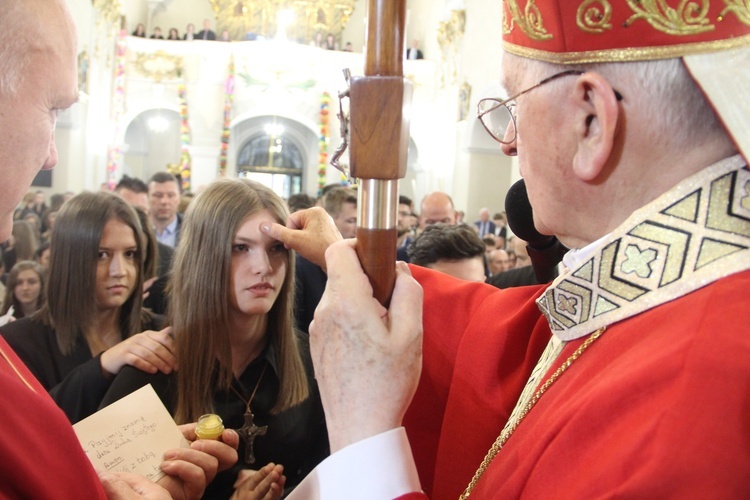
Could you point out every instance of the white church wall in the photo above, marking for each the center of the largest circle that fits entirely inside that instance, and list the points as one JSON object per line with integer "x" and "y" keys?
{"x": 435, "y": 130}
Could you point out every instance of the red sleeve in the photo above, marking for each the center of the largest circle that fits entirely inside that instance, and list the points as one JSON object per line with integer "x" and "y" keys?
{"x": 42, "y": 457}
{"x": 480, "y": 345}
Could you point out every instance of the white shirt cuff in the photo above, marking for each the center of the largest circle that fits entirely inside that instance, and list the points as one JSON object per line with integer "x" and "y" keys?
{"x": 375, "y": 468}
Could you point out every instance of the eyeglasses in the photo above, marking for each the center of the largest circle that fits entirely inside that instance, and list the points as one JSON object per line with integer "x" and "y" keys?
{"x": 496, "y": 114}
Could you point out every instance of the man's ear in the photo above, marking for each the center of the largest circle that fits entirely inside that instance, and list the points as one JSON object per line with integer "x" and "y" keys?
{"x": 597, "y": 112}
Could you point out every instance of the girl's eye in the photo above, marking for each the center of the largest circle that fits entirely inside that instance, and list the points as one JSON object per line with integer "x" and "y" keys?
{"x": 277, "y": 249}
{"x": 239, "y": 247}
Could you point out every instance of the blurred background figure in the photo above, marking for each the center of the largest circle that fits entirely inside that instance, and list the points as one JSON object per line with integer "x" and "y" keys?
{"x": 414, "y": 52}
{"x": 189, "y": 32}
{"x": 498, "y": 261}
{"x": 23, "y": 292}
{"x": 140, "y": 31}
{"x": 451, "y": 249}
{"x": 484, "y": 225}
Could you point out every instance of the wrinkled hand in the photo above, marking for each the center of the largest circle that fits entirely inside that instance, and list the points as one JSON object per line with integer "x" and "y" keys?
{"x": 308, "y": 232}
{"x": 189, "y": 470}
{"x": 127, "y": 486}
{"x": 367, "y": 359}
{"x": 149, "y": 351}
{"x": 264, "y": 484}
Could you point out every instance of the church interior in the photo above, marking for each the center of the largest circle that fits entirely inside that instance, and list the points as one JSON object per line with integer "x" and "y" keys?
{"x": 266, "y": 104}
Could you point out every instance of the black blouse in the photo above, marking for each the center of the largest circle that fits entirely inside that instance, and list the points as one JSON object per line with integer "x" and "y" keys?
{"x": 296, "y": 438}
{"x": 75, "y": 381}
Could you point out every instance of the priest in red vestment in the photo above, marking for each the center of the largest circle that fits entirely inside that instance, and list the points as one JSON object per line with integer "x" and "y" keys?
{"x": 629, "y": 375}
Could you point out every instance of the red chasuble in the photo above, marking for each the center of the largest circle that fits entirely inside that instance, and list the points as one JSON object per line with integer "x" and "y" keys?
{"x": 41, "y": 456}
{"x": 658, "y": 406}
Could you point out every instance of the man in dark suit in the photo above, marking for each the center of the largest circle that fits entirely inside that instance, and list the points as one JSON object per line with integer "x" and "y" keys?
{"x": 341, "y": 204}
{"x": 413, "y": 52}
{"x": 206, "y": 33}
{"x": 484, "y": 225}
{"x": 164, "y": 198}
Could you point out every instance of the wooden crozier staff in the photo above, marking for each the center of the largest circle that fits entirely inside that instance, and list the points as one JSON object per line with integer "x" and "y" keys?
{"x": 379, "y": 137}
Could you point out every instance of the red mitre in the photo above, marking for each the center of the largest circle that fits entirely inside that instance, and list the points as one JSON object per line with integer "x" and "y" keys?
{"x": 586, "y": 31}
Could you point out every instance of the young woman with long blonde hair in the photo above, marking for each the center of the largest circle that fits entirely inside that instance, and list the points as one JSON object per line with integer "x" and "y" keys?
{"x": 231, "y": 298}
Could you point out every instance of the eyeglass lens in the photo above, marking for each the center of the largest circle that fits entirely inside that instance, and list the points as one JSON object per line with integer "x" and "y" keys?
{"x": 496, "y": 120}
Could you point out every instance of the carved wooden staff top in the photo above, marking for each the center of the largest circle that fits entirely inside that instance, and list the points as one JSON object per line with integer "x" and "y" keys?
{"x": 379, "y": 140}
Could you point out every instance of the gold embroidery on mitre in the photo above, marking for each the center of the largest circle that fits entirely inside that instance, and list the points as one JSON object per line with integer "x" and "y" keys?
{"x": 741, "y": 8}
{"x": 594, "y": 16}
{"x": 696, "y": 233}
{"x": 628, "y": 54}
{"x": 689, "y": 18}
{"x": 530, "y": 21}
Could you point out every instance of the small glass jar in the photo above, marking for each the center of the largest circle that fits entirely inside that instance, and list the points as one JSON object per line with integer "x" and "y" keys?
{"x": 209, "y": 426}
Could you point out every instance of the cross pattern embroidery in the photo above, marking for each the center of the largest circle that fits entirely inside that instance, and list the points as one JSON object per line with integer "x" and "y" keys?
{"x": 639, "y": 262}
{"x": 567, "y": 304}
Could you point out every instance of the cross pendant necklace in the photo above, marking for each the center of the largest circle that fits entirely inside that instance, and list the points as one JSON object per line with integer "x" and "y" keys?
{"x": 249, "y": 431}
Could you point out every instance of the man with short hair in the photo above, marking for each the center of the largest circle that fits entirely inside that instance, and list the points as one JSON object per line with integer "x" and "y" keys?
{"x": 455, "y": 250}
{"x": 404, "y": 229}
{"x": 42, "y": 457}
{"x": 164, "y": 198}
{"x": 626, "y": 377}
{"x": 341, "y": 204}
{"x": 134, "y": 191}
{"x": 206, "y": 33}
{"x": 437, "y": 207}
{"x": 484, "y": 225}
{"x": 498, "y": 261}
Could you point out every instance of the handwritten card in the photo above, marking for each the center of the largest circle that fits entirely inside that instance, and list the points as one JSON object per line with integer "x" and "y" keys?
{"x": 130, "y": 435}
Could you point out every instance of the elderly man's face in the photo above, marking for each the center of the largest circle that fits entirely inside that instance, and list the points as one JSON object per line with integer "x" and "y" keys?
{"x": 545, "y": 142}
{"x": 28, "y": 117}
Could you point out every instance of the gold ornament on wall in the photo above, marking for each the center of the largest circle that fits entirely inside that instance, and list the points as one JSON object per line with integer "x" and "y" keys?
{"x": 449, "y": 35}
{"x": 109, "y": 10}
{"x": 158, "y": 65}
{"x": 244, "y": 18}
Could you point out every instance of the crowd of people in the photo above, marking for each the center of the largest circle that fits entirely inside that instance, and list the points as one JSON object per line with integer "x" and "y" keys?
{"x": 609, "y": 381}
{"x": 207, "y": 33}
{"x": 324, "y": 41}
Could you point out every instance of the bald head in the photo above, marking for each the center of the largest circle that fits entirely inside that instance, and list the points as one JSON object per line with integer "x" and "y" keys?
{"x": 23, "y": 24}
{"x": 498, "y": 261}
{"x": 38, "y": 78}
{"x": 436, "y": 208}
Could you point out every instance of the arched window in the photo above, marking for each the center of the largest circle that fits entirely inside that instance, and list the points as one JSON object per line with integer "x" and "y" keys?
{"x": 274, "y": 160}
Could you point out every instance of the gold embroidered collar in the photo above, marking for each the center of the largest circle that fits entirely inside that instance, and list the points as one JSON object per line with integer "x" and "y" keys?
{"x": 691, "y": 236}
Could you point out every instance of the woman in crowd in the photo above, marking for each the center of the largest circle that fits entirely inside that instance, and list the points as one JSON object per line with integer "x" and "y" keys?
{"x": 173, "y": 34}
{"x": 48, "y": 223}
{"x": 25, "y": 240}
{"x": 88, "y": 328}
{"x": 231, "y": 300}
{"x": 23, "y": 291}
{"x": 140, "y": 30}
{"x": 21, "y": 245}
